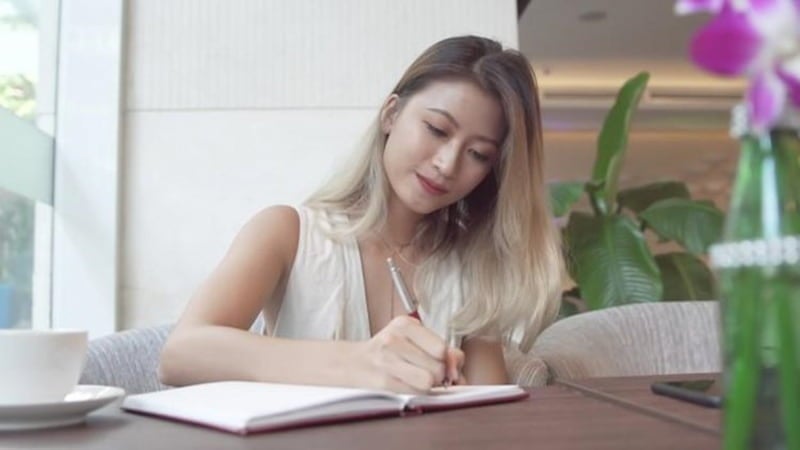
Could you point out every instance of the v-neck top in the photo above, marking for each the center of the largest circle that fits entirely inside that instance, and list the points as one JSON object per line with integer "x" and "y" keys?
{"x": 325, "y": 295}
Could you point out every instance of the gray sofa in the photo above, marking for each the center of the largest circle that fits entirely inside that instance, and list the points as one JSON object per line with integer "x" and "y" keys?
{"x": 641, "y": 339}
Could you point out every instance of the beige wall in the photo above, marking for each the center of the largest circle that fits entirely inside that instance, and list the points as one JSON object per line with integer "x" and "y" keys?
{"x": 235, "y": 105}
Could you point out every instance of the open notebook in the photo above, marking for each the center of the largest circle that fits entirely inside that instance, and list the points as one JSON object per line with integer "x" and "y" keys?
{"x": 245, "y": 407}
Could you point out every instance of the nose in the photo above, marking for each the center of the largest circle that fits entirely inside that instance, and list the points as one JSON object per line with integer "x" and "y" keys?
{"x": 446, "y": 160}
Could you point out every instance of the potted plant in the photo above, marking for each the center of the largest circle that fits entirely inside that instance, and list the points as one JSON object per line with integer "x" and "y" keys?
{"x": 607, "y": 250}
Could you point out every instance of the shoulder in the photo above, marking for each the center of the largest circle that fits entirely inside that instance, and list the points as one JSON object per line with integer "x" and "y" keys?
{"x": 279, "y": 216}
{"x": 276, "y": 227}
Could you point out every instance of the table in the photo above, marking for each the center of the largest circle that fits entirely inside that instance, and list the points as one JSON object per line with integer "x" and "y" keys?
{"x": 554, "y": 417}
{"x": 634, "y": 393}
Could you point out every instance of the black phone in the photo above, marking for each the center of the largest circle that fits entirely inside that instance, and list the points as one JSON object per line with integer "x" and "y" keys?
{"x": 702, "y": 392}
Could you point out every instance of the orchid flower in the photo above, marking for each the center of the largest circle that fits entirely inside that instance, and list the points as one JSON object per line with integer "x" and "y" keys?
{"x": 757, "y": 39}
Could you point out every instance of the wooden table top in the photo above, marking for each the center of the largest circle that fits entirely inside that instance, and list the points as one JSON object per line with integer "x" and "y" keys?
{"x": 553, "y": 417}
{"x": 634, "y": 393}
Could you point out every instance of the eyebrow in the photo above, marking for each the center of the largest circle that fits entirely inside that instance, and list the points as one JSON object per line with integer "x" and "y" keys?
{"x": 456, "y": 124}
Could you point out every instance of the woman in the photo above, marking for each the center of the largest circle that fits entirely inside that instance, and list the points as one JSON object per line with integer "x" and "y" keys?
{"x": 449, "y": 186}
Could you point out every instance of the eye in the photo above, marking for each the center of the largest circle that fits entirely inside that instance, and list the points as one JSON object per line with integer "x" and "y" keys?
{"x": 435, "y": 131}
{"x": 480, "y": 157}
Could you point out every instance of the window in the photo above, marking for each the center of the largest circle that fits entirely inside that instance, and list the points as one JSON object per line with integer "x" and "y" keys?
{"x": 28, "y": 50}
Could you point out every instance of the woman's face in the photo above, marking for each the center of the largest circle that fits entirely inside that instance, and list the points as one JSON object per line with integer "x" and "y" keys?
{"x": 441, "y": 144}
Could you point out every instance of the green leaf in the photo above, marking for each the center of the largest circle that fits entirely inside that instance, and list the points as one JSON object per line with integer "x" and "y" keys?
{"x": 595, "y": 192}
{"x": 613, "y": 139}
{"x": 685, "y": 277}
{"x": 611, "y": 261}
{"x": 693, "y": 224}
{"x": 639, "y": 198}
{"x": 563, "y": 195}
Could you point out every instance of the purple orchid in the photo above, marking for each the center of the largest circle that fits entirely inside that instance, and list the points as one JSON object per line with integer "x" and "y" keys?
{"x": 755, "y": 38}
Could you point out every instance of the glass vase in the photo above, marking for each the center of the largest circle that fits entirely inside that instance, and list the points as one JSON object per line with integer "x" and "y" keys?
{"x": 758, "y": 266}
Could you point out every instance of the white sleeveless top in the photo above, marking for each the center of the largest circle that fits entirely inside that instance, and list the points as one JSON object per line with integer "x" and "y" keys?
{"x": 325, "y": 295}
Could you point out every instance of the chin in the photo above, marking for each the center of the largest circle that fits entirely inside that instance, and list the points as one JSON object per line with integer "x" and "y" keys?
{"x": 422, "y": 211}
{"x": 424, "y": 208}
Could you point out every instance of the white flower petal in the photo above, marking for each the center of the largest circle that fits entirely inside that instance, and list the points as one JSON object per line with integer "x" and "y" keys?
{"x": 683, "y": 7}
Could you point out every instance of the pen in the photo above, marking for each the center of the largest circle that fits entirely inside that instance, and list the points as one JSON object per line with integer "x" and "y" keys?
{"x": 410, "y": 303}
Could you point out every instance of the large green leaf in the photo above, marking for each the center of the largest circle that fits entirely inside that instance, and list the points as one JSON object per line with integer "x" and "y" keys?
{"x": 693, "y": 224}
{"x": 613, "y": 140}
{"x": 685, "y": 277}
{"x": 611, "y": 261}
{"x": 639, "y": 198}
{"x": 563, "y": 195}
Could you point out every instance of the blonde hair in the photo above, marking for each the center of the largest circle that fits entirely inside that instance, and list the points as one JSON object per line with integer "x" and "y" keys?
{"x": 501, "y": 231}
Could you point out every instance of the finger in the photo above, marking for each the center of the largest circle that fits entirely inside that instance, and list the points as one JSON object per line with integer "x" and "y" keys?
{"x": 395, "y": 384}
{"x": 421, "y": 336}
{"x": 389, "y": 382}
{"x": 409, "y": 352}
{"x": 418, "y": 380}
{"x": 455, "y": 362}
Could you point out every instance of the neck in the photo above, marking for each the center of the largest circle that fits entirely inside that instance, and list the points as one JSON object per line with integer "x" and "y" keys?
{"x": 401, "y": 225}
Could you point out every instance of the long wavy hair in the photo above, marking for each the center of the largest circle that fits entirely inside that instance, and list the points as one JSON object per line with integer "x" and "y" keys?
{"x": 501, "y": 232}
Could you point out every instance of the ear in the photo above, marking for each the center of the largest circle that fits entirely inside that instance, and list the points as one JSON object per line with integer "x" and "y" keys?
{"x": 389, "y": 112}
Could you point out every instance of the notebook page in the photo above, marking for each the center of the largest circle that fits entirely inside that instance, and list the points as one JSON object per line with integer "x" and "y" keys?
{"x": 232, "y": 405}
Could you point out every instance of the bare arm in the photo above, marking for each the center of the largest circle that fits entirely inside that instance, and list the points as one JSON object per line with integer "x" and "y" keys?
{"x": 211, "y": 341}
{"x": 484, "y": 362}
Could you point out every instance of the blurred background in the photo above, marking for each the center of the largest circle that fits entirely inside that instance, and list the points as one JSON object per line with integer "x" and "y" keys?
{"x": 137, "y": 136}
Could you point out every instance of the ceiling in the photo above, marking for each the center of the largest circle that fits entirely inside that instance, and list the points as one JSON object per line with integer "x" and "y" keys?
{"x": 583, "y": 50}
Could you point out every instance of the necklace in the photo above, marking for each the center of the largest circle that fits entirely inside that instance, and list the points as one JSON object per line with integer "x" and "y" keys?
{"x": 396, "y": 250}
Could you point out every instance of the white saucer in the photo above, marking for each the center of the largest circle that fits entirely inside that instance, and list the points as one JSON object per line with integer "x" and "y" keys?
{"x": 73, "y": 409}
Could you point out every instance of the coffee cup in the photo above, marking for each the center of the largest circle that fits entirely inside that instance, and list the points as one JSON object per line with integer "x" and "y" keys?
{"x": 40, "y": 366}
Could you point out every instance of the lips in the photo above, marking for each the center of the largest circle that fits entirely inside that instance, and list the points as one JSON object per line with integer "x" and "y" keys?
{"x": 431, "y": 186}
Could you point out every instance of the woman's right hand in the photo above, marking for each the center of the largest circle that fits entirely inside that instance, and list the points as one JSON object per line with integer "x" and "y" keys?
{"x": 405, "y": 357}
